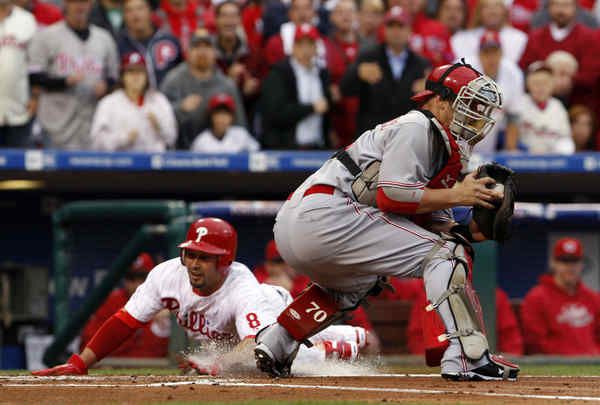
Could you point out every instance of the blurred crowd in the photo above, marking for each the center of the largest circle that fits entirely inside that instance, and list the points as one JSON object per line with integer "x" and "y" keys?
{"x": 560, "y": 315}
{"x": 241, "y": 75}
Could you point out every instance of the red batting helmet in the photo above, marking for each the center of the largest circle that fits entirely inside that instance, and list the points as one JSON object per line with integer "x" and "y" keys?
{"x": 213, "y": 236}
{"x": 474, "y": 98}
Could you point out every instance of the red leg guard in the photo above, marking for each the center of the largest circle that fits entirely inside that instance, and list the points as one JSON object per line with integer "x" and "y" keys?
{"x": 311, "y": 311}
{"x": 433, "y": 326}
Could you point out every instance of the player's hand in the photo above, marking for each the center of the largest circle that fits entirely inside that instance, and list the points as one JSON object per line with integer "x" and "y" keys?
{"x": 472, "y": 191}
{"x": 236, "y": 71}
{"x": 320, "y": 106}
{"x": 370, "y": 72}
{"x": 191, "y": 366}
{"x": 73, "y": 366}
{"x": 75, "y": 78}
{"x": 100, "y": 89}
{"x": 191, "y": 102}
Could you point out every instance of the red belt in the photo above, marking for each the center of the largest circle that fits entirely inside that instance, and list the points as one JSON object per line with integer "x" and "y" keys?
{"x": 316, "y": 189}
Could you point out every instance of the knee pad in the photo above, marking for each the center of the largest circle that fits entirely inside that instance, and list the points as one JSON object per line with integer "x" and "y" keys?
{"x": 464, "y": 307}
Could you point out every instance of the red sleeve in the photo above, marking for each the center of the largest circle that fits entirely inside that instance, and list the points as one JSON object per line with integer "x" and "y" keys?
{"x": 535, "y": 327}
{"x": 116, "y": 330}
{"x": 360, "y": 318}
{"x": 386, "y": 204}
{"x": 507, "y": 327}
{"x": 274, "y": 50}
{"x": 115, "y": 301}
{"x": 531, "y": 53}
{"x": 414, "y": 331}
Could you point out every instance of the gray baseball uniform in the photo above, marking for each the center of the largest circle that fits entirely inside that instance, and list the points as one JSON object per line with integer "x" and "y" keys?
{"x": 344, "y": 245}
{"x": 59, "y": 52}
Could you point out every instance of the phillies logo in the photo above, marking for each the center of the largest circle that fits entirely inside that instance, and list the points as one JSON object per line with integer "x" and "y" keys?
{"x": 164, "y": 53}
{"x": 170, "y": 303}
{"x": 196, "y": 322}
{"x": 201, "y": 231}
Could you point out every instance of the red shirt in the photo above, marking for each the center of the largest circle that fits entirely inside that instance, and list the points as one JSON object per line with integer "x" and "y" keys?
{"x": 555, "y": 322}
{"x": 407, "y": 289}
{"x": 509, "y": 339}
{"x": 431, "y": 39}
{"x": 143, "y": 343}
{"x": 183, "y": 23}
{"x": 252, "y": 23}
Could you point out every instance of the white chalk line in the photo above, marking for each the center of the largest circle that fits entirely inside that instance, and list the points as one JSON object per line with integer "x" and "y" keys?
{"x": 237, "y": 383}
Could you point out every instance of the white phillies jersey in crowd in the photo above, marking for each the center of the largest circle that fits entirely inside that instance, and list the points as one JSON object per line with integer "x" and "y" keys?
{"x": 16, "y": 30}
{"x": 237, "y": 310}
{"x": 236, "y": 139}
{"x": 544, "y": 130}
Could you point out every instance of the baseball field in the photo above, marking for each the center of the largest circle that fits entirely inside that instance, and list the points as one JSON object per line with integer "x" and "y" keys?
{"x": 547, "y": 384}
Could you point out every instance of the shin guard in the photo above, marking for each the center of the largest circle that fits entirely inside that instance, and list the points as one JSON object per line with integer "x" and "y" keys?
{"x": 311, "y": 312}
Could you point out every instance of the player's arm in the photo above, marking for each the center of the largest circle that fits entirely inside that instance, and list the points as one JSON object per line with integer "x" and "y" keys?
{"x": 116, "y": 330}
{"x": 141, "y": 308}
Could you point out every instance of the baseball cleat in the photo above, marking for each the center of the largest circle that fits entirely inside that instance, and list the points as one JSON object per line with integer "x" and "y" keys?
{"x": 275, "y": 350}
{"x": 497, "y": 369}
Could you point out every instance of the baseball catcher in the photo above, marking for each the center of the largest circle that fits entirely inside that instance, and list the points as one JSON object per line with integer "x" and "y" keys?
{"x": 382, "y": 207}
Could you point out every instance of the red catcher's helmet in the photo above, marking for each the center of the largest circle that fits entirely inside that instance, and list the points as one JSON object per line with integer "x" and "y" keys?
{"x": 474, "y": 98}
{"x": 213, "y": 236}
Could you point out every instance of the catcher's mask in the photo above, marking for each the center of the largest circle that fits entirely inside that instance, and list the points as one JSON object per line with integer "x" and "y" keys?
{"x": 474, "y": 98}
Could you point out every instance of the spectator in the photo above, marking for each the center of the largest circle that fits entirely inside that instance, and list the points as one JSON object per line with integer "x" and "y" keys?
{"x": 564, "y": 68}
{"x": 234, "y": 57}
{"x": 490, "y": 15}
{"x": 136, "y": 117}
{"x": 583, "y": 15}
{"x": 430, "y": 38}
{"x": 45, "y": 13}
{"x": 370, "y": 18}
{"x": 521, "y": 12}
{"x": 222, "y": 136}
{"x": 491, "y": 61}
{"x": 190, "y": 85}
{"x": 150, "y": 341}
{"x": 75, "y": 63}
{"x": 509, "y": 338}
{"x": 295, "y": 98}
{"x": 453, "y": 15}
{"x": 183, "y": 17}
{"x": 279, "y": 46}
{"x": 17, "y": 27}
{"x": 108, "y": 14}
{"x": 543, "y": 123}
{"x": 342, "y": 50}
{"x": 583, "y": 128}
{"x": 160, "y": 49}
{"x": 561, "y": 315}
{"x": 566, "y": 34}
{"x": 384, "y": 78}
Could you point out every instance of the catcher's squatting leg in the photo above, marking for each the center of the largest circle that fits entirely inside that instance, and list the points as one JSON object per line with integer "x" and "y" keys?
{"x": 457, "y": 342}
{"x": 311, "y": 312}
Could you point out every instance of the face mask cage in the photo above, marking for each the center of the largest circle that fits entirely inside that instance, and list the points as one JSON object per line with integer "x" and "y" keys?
{"x": 473, "y": 108}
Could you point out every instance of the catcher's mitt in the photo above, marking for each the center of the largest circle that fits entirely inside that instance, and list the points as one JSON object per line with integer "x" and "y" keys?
{"x": 495, "y": 223}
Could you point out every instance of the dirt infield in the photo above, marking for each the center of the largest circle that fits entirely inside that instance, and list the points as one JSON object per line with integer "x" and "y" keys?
{"x": 383, "y": 388}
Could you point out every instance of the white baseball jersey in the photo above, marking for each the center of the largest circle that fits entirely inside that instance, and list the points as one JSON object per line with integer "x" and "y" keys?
{"x": 544, "y": 130}
{"x": 237, "y": 139}
{"x": 59, "y": 52}
{"x": 116, "y": 116}
{"x": 238, "y": 309}
{"x": 513, "y": 41}
{"x": 16, "y": 30}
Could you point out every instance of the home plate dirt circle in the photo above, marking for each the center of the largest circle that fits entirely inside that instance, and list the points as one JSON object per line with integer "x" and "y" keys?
{"x": 382, "y": 388}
